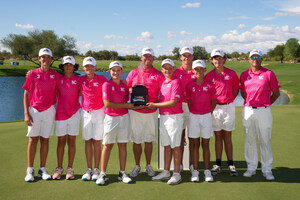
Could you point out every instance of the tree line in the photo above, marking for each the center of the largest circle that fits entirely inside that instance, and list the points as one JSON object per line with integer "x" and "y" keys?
{"x": 27, "y": 46}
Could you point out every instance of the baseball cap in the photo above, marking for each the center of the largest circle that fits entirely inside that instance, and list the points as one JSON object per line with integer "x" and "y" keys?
{"x": 45, "y": 51}
{"x": 115, "y": 64}
{"x": 147, "y": 51}
{"x": 217, "y": 52}
{"x": 186, "y": 50}
{"x": 255, "y": 51}
{"x": 198, "y": 63}
{"x": 68, "y": 59}
{"x": 89, "y": 61}
{"x": 167, "y": 61}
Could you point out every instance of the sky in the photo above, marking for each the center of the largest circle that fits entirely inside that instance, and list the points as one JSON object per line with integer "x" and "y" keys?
{"x": 127, "y": 26}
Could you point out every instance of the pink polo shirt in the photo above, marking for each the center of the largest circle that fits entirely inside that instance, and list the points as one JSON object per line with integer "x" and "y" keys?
{"x": 171, "y": 90}
{"x": 117, "y": 94}
{"x": 184, "y": 78}
{"x": 92, "y": 92}
{"x": 200, "y": 96}
{"x": 225, "y": 84}
{"x": 257, "y": 87}
{"x": 152, "y": 80}
{"x": 67, "y": 97}
{"x": 41, "y": 88}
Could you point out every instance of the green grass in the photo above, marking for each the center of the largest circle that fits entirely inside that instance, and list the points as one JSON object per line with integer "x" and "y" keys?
{"x": 285, "y": 146}
{"x": 287, "y": 73}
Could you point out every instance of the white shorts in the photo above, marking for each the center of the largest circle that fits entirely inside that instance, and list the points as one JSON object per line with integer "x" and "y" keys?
{"x": 186, "y": 115}
{"x": 170, "y": 130}
{"x": 223, "y": 117}
{"x": 69, "y": 126}
{"x": 43, "y": 122}
{"x": 143, "y": 126}
{"x": 116, "y": 127}
{"x": 92, "y": 123}
{"x": 200, "y": 124}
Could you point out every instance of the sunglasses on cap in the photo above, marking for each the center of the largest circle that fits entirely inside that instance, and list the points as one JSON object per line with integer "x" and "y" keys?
{"x": 255, "y": 57}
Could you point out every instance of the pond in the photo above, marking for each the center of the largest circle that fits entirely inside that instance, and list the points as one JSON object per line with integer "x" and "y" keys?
{"x": 11, "y": 101}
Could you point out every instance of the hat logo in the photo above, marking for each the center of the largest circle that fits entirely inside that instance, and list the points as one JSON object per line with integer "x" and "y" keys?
{"x": 198, "y": 62}
{"x": 186, "y": 49}
{"x": 218, "y": 51}
{"x": 147, "y": 50}
{"x": 89, "y": 60}
{"x": 45, "y": 50}
{"x": 68, "y": 58}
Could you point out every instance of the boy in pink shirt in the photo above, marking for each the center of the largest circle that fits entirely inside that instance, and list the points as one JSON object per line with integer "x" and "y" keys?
{"x": 171, "y": 121}
{"x": 226, "y": 83}
{"x": 67, "y": 115}
{"x": 184, "y": 74}
{"x": 116, "y": 121}
{"x": 259, "y": 88}
{"x": 144, "y": 121}
{"x": 92, "y": 116}
{"x": 201, "y": 98}
{"x": 39, "y": 111}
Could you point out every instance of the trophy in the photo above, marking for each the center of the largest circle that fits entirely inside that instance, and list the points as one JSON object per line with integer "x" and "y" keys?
{"x": 139, "y": 95}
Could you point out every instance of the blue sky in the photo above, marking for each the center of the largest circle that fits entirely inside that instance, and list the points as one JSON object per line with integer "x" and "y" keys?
{"x": 126, "y": 26}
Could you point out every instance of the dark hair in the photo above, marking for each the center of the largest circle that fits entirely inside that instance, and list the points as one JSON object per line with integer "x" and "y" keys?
{"x": 76, "y": 66}
{"x": 225, "y": 58}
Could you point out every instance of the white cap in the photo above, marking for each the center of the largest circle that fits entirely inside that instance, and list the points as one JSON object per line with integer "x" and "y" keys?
{"x": 115, "y": 64}
{"x": 68, "y": 59}
{"x": 186, "y": 50}
{"x": 217, "y": 52}
{"x": 167, "y": 61}
{"x": 255, "y": 51}
{"x": 198, "y": 63}
{"x": 45, "y": 51}
{"x": 147, "y": 51}
{"x": 89, "y": 61}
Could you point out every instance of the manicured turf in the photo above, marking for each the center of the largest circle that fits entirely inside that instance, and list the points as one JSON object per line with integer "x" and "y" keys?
{"x": 286, "y": 168}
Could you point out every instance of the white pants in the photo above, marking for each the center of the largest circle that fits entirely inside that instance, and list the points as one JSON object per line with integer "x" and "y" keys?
{"x": 69, "y": 126}
{"x": 92, "y": 124}
{"x": 170, "y": 129}
{"x": 223, "y": 117}
{"x": 258, "y": 122}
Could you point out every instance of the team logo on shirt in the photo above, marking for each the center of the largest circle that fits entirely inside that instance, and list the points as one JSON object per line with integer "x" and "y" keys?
{"x": 62, "y": 82}
{"x": 122, "y": 89}
{"x": 180, "y": 76}
{"x": 84, "y": 83}
{"x": 205, "y": 88}
{"x": 194, "y": 89}
{"x": 261, "y": 77}
{"x": 104, "y": 94}
{"x": 152, "y": 77}
{"x": 213, "y": 80}
{"x": 193, "y": 77}
{"x": 177, "y": 95}
{"x": 96, "y": 84}
{"x": 52, "y": 76}
{"x": 38, "y": 76}
{"x": 74, "y": 82}
{"x": 113, "y": 88}
{"x": 168, "y": 86}
{"x": 226, "y": 78}
{"x": 248, "y": 78}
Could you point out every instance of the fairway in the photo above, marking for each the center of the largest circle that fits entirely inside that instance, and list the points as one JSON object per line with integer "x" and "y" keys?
{"x": 286, "y": 169}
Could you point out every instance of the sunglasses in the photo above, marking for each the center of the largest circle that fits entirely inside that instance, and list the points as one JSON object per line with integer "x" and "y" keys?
{"x": 255, "y": 57}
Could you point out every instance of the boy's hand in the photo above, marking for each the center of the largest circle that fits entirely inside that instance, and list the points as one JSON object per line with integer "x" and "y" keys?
{"x": 28, "y": 119}
{"x": 151, "y": 106}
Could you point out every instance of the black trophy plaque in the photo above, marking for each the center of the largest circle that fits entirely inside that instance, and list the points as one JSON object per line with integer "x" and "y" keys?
{"x": 139, "y": 95}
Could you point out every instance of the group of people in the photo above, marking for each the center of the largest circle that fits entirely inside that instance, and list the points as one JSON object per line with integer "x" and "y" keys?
{"x": 188, "y": 102}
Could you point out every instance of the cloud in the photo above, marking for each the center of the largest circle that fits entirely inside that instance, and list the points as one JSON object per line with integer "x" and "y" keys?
{"x": 268, "y": 18}
{"x": 145, "y": 37}
{"x": 191, "y": 5}
{"x": 171, "y": 34}
{"x": 27, "y": 26}
{"x": 288, "y": 8}
{"x": 242, "y": 26}
{"x": 288, "y": 14}
{"x": 115, "y": 37}
{"x": 116, "y": 14}
{"x": 263, "y": 37}
{"x": 185, "y": 33}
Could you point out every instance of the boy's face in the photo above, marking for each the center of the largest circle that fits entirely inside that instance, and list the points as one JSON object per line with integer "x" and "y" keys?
{"x": 199, "y": 72}
{"x": 147, "y": 59}
{"x": 68, "y": 68}
{"x": 187, "y": 58}
{"x": 218, "y": 61}
{"x": 89, "y": 69}
{"x": 167, "y": 70}
{"x": 116, "y": 73}
{"x": 45, "y": 60}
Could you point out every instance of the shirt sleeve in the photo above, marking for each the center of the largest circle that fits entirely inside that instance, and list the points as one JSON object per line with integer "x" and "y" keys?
{"x": 28, "y": 85}
{"x": 176, "y": 90}
{"x": 129, "y": 79}
{"x": 106, "y": 91}
{"x": 236, "y": 82}
{"x": 274, "y": 84}
{"x": 242, "y": 82}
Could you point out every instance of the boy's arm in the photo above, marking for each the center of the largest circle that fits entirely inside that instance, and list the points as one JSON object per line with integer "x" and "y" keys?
{"x": 213, "y": 103}
{"x": 166, "y": 104}
{"x": 27, "y": 117}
